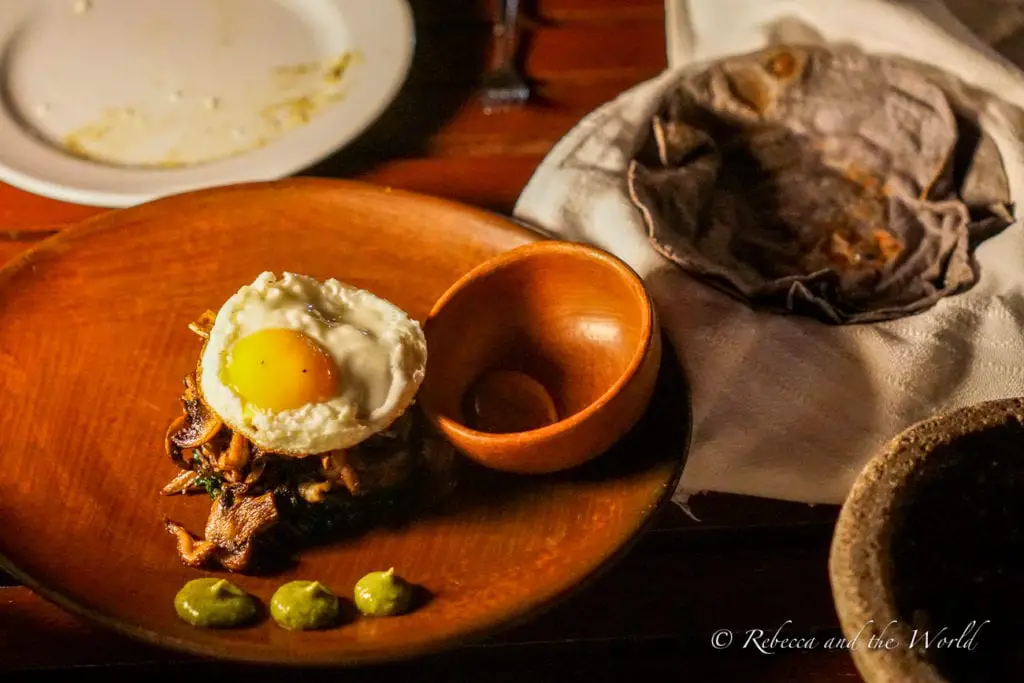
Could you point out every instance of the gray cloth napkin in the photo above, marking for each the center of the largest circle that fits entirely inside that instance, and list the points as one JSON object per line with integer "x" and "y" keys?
{"x": 787, "y": 407}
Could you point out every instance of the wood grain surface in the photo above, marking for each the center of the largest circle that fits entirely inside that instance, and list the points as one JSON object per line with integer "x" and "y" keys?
{"x": 747, "y": 564}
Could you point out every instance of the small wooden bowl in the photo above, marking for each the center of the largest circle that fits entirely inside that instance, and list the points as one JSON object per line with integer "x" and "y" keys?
{"x": 930, "y": 541}
{"x": 542, "y": 358}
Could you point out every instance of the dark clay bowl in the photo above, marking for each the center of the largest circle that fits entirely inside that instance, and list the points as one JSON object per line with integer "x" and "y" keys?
{"x": 930, "y": 542}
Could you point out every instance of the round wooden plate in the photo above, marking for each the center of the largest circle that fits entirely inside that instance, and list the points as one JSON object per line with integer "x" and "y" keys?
{"x": 94, "y": 344}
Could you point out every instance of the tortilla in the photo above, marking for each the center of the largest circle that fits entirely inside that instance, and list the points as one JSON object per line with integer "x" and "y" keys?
{"x": 820, "y": 182}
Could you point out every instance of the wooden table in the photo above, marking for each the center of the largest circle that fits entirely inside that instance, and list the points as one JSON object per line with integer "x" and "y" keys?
{"x": 749, "y": 564}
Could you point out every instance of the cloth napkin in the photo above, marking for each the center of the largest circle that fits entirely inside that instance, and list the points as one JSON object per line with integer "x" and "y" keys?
{"x": 787, "y": 407}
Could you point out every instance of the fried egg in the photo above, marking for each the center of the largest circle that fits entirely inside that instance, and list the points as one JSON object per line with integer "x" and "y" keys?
{"x": 301, "y": 367}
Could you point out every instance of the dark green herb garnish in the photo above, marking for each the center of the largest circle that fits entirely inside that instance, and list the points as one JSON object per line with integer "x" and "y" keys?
{"x": 208, "y": 480}
{"x": 212, "y": 484}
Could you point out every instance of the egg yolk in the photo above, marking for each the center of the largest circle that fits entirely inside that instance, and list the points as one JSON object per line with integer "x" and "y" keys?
{"x": 280, "y": 369}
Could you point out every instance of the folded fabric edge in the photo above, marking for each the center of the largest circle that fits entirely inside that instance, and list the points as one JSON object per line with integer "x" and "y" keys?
{"x": 682, "y": 499}
{"x": 544, "y": 205}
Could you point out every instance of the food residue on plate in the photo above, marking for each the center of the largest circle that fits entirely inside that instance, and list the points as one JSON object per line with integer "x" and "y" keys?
{"x": 214, "y": 126}
{"x": 291, "y": 71}
{"x": 120, "y": 123}
{"x": 331, "y": 70}
{"x": 336, "y": 69}
{"x": 296, "y": 111}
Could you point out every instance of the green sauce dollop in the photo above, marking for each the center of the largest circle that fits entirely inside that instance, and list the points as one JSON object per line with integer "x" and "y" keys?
{"x": 382, "y": 594}
{"x": 214, "y": 603}
{"x": 301, "y": 605}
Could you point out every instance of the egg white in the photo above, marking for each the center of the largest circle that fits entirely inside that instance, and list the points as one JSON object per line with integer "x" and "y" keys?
{"x": 380, "y": 353}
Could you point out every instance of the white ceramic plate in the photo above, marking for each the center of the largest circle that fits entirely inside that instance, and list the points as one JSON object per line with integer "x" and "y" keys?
{"x": 117, "y": 102}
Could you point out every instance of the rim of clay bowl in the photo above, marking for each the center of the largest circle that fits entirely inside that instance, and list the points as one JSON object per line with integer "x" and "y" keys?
{"x": 860, "y": 566}
{"x": 647, "y": 331}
